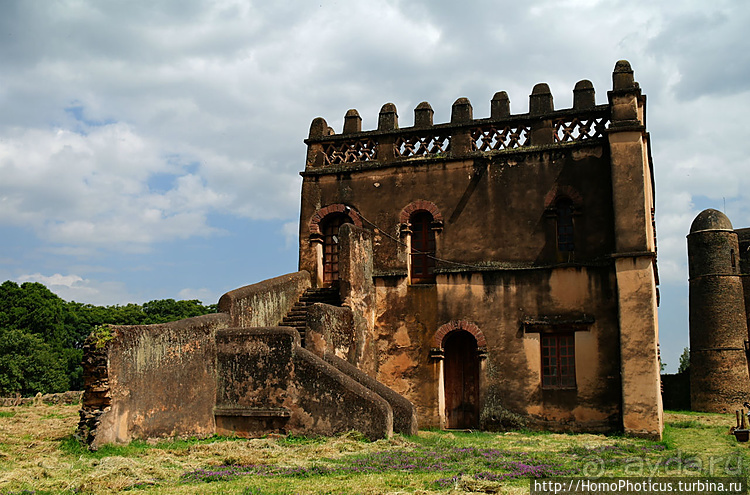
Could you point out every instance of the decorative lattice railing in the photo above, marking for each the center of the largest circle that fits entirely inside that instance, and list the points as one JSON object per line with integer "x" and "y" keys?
{"x": 359, "y": 150}
{"x": 471, "y": 136}
{"x": 490, "y": 138}
{"x": 422, "y": 144}
{"x": 580, "y": 129}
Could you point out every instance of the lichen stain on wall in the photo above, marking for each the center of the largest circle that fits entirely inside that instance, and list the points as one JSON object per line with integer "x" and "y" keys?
{"x": 154, "y": 351}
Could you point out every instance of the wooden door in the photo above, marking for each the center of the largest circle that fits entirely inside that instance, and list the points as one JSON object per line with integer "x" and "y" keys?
{"x": 461, "y": 373}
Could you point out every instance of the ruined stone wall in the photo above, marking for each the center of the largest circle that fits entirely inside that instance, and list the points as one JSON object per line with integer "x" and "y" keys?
{"x": 265, "y": 303}
{"x": 334, "y": 403}
{"x": 267, "y": 383}
{"x": 151, "y": 381}
{"x": 356, "y": 259}
{"x": 404, "y": 413}
{"x": 676, "y": 393}
{"x": 331, "y": 329}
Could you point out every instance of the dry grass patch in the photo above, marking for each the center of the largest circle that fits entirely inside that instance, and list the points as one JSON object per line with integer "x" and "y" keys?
{"x": 38, "y": 453}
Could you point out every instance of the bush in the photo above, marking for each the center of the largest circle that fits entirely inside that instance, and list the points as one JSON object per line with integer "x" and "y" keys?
{"x": 496, "y": 417}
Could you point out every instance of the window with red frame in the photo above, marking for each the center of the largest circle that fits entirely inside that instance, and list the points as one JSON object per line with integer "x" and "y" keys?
{"x": 558, "y": 360}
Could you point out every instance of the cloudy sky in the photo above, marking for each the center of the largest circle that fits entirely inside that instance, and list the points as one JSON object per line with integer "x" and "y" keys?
{"x": 152, "y": 150}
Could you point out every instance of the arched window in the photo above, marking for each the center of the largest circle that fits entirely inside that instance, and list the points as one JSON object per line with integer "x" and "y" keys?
{"x": 330, "y": 230}
{"x": 422, "y": 248}
{"x": 565, "y": 232}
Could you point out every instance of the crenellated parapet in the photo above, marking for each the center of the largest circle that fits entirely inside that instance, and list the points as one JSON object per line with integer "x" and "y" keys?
{"x": 464, "y": 135}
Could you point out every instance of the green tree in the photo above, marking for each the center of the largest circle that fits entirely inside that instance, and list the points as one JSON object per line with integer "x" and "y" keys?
{"x": 164, "y": 310}
{"x": 35, "y": 309}
{"x": 42, "y": 336}
{"x": 684, "y": 361}
{"x": 28, "y": 365}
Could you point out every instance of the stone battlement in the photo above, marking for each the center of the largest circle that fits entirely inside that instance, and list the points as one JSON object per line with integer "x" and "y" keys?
{"x": 464, "y": 135}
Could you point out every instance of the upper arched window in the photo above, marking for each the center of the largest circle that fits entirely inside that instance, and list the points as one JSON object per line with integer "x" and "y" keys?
{"x": 330, "y": 230}
{"x": 422, "y": 248}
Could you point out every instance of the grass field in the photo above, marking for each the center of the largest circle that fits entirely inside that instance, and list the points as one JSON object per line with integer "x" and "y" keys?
{"x": 39, "y": 455}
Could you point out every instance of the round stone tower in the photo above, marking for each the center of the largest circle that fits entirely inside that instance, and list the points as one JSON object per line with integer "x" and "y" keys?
{"x": 719, "y": 380}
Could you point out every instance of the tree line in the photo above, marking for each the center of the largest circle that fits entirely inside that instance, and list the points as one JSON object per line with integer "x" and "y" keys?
{"x": 41, "y": 335}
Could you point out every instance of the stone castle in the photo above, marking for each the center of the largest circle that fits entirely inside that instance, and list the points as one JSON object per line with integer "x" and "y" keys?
{"x": 452, "y": 275}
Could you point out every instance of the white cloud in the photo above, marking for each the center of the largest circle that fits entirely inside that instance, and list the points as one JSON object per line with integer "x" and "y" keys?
{"x": 129, "y": 125}
{"x": 206, "y": 296}
{"x": 76, "y": 288}
{"x": 84, "y": 190}
{"x": 291, "y": 234}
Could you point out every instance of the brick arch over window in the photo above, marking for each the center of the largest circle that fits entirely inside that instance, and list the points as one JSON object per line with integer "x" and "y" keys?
{"x": 421, "y": 205}
{"x": 563, "y": 192}
{"x": 336, "y": 208}
{"x": 452, "y": 326}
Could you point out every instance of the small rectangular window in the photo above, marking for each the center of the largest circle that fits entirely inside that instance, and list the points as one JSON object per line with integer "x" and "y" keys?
{"x": 558, "y": 360}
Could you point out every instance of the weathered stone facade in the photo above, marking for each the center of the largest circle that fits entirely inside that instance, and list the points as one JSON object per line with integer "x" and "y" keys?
{"x": 538, "y": 237}
{"x": 719, "y": 267}
{"x": 489, "y": 271}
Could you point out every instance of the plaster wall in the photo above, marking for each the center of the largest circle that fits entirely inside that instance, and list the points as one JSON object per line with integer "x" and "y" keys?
{"x": 639, "y": 339}
{"x": 498, "y": 303}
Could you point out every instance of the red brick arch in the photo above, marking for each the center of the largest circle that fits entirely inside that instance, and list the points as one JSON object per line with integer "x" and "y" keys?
{"x": 563, "y": 192}
{"x": 421, "y": 205}
{"x": 335, "y": 208}
{"x": 454, "y": 325}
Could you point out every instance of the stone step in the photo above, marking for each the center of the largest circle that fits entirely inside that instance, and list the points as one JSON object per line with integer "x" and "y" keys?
{"x": 297, "y": 316}
{"x": 298, "y": 319}
{"x": 294, "y": 321}
{"x": 309, "y": 300}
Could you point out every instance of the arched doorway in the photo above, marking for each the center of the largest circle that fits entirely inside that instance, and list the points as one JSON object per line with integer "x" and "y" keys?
{"x": 331, "y": 224}
{"x": 461, "y": 374}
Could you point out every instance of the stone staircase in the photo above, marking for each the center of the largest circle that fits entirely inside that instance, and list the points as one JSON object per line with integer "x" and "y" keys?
{"x": 297, "y": 316}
